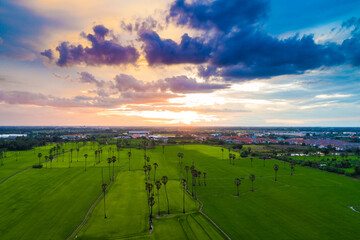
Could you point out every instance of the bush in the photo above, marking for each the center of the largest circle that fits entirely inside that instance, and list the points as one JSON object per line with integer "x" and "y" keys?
{"x": 37, "y": 166}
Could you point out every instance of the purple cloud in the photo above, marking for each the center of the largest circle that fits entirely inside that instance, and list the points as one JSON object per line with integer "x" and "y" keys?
{"x": 219, "y": 14}
{"x": 166, "y": 51}
{"x": 48, "y": 53}
{"x": 178, "y": 84}
{"x": 101, "y": 52}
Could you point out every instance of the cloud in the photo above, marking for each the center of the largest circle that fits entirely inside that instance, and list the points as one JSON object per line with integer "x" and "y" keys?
{"x": 101, "y": 52}
{"x": 177, "y": 84}
{"x": 236, "y": 46}
{"x": 220, "y": 14}
{"x": 48, "y": 53}
{"x": 330, "y": 96}
{"x": 86, "y": 77}
{"x": 141, "y": 24}
{"x": 166, "y": 51}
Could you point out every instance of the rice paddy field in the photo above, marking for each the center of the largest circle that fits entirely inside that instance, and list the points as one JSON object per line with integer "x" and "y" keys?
{"x": 63, "y": 201}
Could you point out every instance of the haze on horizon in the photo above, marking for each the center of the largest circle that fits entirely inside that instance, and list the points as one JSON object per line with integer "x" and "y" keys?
{"x": 177, "y": 62}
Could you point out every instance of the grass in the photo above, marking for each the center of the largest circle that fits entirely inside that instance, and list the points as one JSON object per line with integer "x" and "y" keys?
{"x": 50, "y": 203}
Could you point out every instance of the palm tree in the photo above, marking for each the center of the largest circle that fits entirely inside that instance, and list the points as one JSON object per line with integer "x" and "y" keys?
{"x": 104, "y": 185}
{"x": 194, "y": 176}
{"x": 51, "y": 157}
{"x": 252, "y": 178}
{"x": 233, "y": 157}
{"x": 199, "y": 176}
{"x": 77, "y": 154}
{"x": 204, "y": 174}
{"x": 164, "y": 181}
{"x": 151, "y": 202}
{"x": 145, "y": 170}
{"x": 46, "y": 158}
{"x": 39, "y": 156}
{"x": 129, "y": 154}
{"x": 163, "y": 148}
{"x": 85, "y": 156}
{"x": 179, "y": 154}
{"x": 251, "y": 160}
{"x": 109, "y": 161}
{"x": 276, "y": 168}
{"x": 183, "y": 181}
{"x": 155, "y": 166}
{"x": 237, "y": 183}
{"x": 71, "y": 150}
{"x": 222, "y": 154}
{"x": 187, "y": 173}
{"x": 148, "y": 169}
{"x": 292, "y": 168}
{"x": 63, "y": 152}
{"x": 158, "y": 185}
{"x": 113, "y": 161}
{"x": 230, "y": 157}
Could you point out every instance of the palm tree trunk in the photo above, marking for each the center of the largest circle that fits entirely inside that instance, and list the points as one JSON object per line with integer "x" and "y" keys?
{"x": 102, "y": 175}
{"x": 113, "y": 170}
{"x": 104, "y": 205}
{"x": 159, "y": 202}
{"x": 154, "y": 175}
{"x": 109, "y": 173}
{"x": 167, "y": 199}
{"x": 129, "y": 161}
{"x": 184, "y": 200}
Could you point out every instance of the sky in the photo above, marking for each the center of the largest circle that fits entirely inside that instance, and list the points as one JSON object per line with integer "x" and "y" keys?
{"x": 180, "y": 62}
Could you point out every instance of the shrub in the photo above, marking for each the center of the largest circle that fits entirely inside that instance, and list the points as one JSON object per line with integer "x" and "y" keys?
{"x": 37, "y": 166}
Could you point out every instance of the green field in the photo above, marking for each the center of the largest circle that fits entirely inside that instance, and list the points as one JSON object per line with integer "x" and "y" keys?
{"x": 50, "y": 203}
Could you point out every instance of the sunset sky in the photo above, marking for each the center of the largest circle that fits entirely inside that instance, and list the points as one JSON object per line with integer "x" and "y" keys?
{"x": 204, "y": 63}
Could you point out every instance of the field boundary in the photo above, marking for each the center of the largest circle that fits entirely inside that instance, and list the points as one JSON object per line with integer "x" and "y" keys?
{"x": 81, "y": 225}
{"x": 352, "y": 208}
{"x": 208, "y": 218}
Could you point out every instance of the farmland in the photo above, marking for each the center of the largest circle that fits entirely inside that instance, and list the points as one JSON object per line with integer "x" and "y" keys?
{"x": 52, "y": 202}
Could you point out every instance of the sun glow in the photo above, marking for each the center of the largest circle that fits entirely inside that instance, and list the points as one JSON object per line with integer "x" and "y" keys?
{"x": 166, "y": 116}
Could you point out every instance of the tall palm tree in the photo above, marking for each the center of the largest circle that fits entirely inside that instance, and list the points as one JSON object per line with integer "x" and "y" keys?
{"x": 151, "y": 202}
{"x": 63, "y": 152}
{"x": 155, "y": 167}
{"x": 163, "y": 149}
{"x": 51, "y": 157}
{"x": 109, "y": 161}
{"x": 149, "y": 170}
{"x": 252, "y": 178}
{"x": 46, "y": 159}
{"x": 104, "y": 185}
{"x": 233, "y": 157}
{"x": 183, "y": 181}
{"x": 199, "y": 176}
{"x": 237, "y": 182}
{"x": 204, "y": 174}
{"x": 276, "y": 168}
{"x": 145, "y": 170}
{"x": 222, "y": 154}
{"x": 129, "y": 155}
{"x": 251, "y": 160}
{"x": 85, "y": 156}
{"x": 164, "y": 181}
{"x": 113, "y": 161}
{"x": 292, "y": 168}
{"x": 77, "y": 154}
{"x": 179, "y": 154}
{"x": 39, "y": 156}
{"x": 193, "y": 182}
{"x": 187, "y": 173}
{"x": 158, "y": 186}
{"x": 71, "y": 150}
{"x": 230, "y": 157}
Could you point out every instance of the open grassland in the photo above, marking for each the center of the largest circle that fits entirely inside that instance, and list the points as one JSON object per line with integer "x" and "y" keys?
{"x": 50, "y": 203}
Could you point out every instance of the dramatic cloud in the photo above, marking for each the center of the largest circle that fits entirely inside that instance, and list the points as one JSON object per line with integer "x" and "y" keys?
{"x": 240, "y": 49}
{"x": 166, "y": 51}
{"x": 178, "y": 84}
{"x": 141, "y": 24}
{"x": 220, "y": 14}
{"x": 101, "y": 52}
